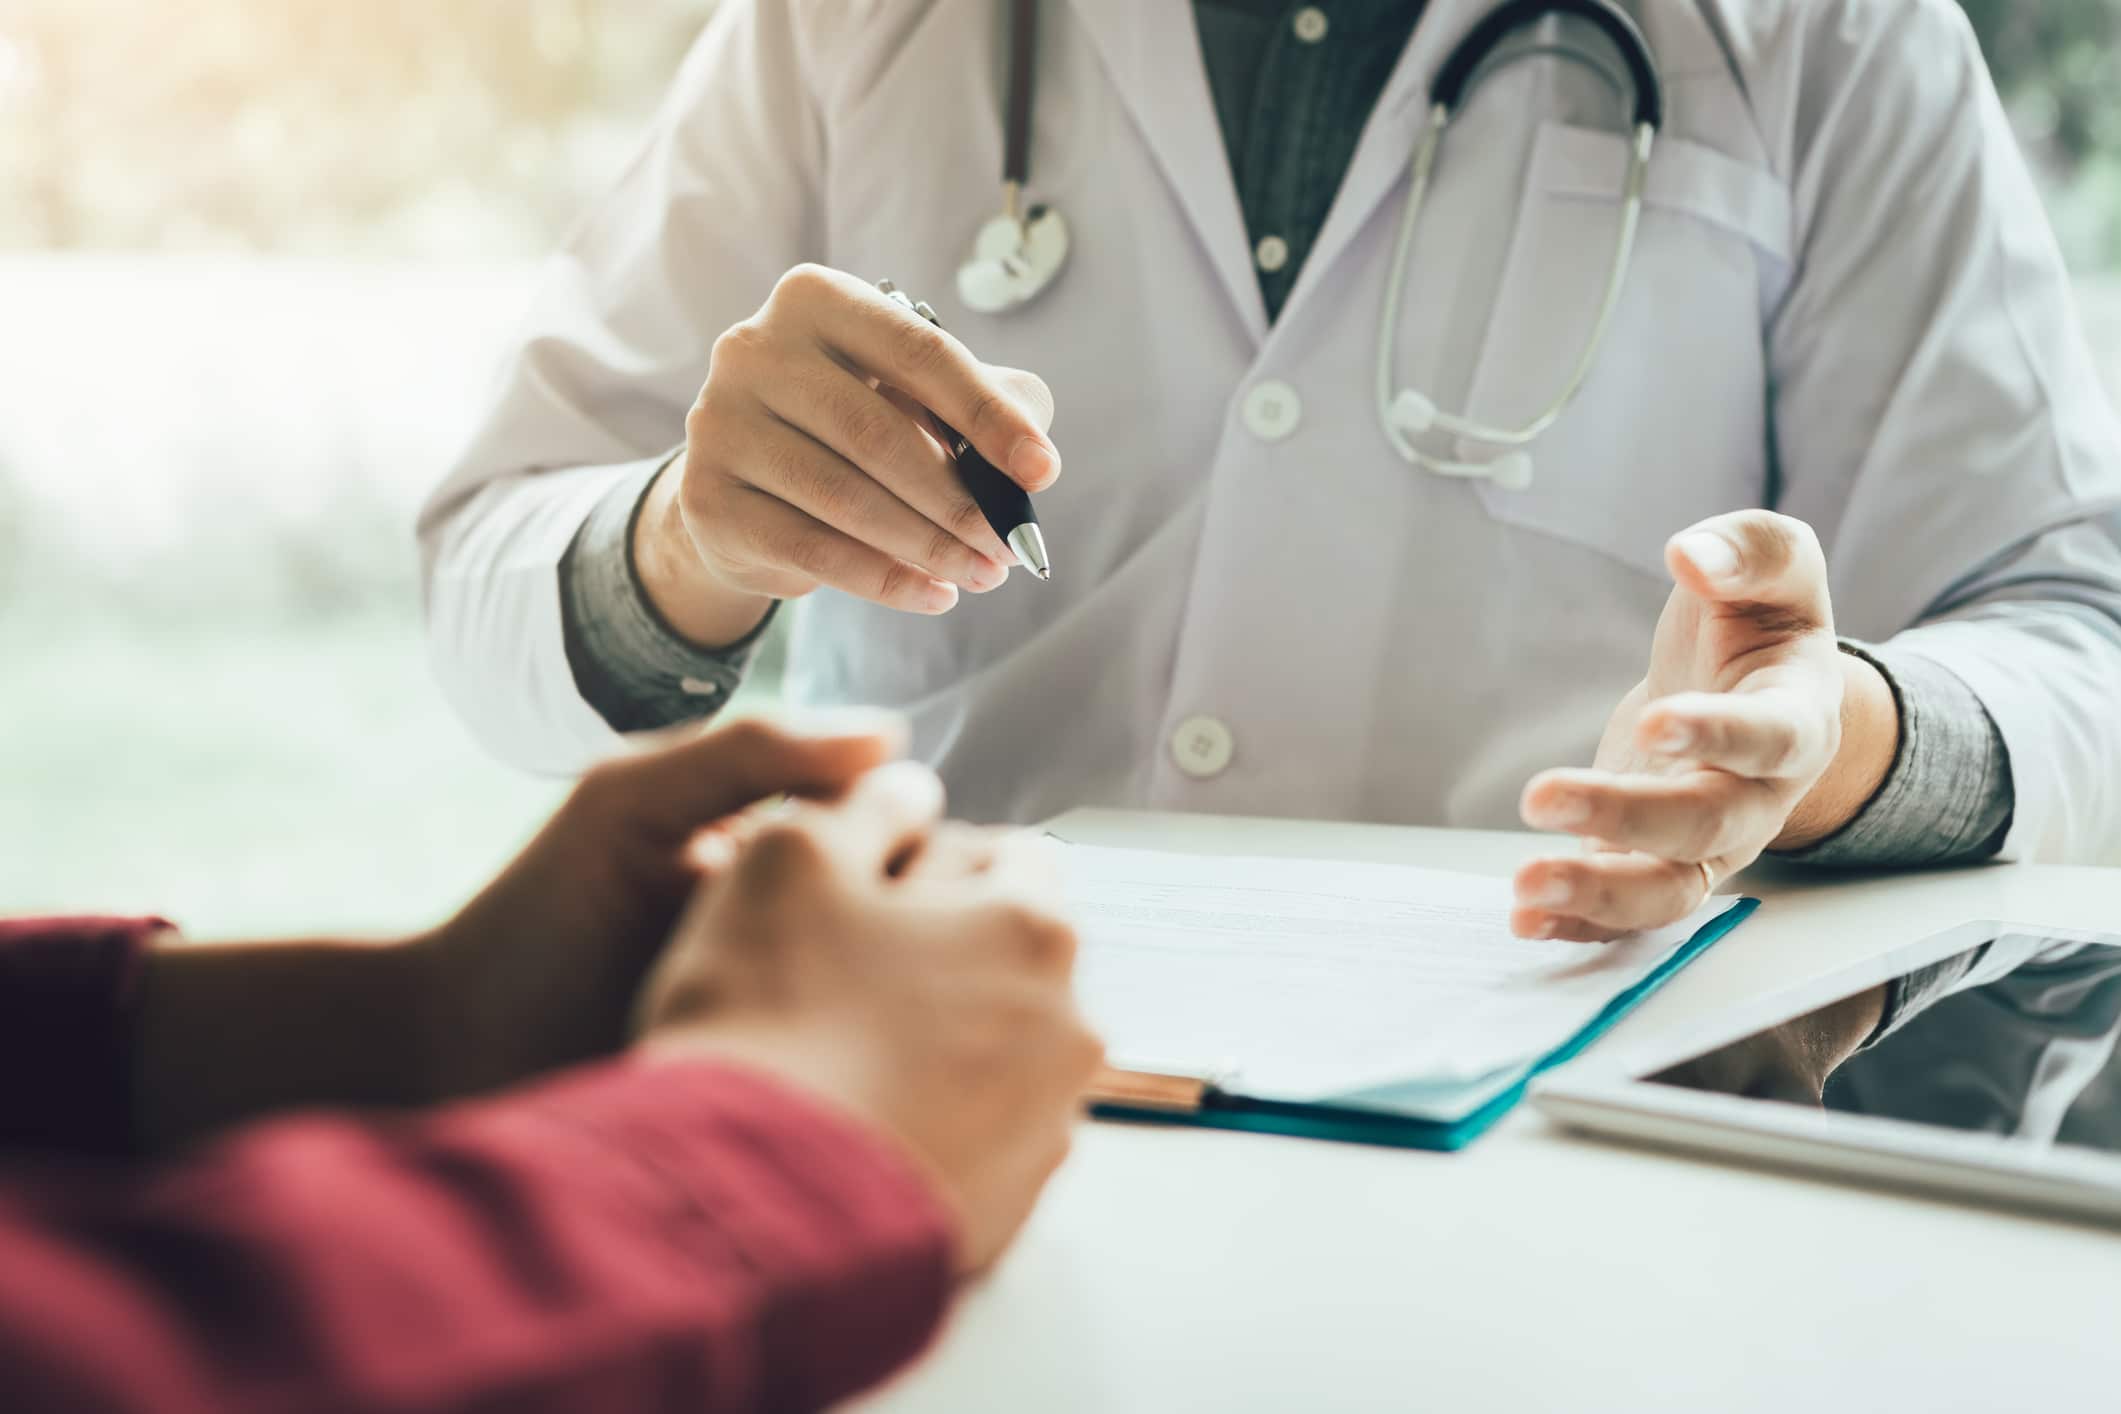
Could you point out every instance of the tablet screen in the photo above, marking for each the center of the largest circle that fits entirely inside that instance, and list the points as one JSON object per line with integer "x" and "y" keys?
{"x": 2015, "y": 1038}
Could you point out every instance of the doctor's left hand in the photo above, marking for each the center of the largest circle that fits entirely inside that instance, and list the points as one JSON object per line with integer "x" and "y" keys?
{"x": 1751, "y": 731}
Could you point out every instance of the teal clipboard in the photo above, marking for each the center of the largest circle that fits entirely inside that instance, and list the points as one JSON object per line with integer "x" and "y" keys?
{"x": 1348, "y": 1125}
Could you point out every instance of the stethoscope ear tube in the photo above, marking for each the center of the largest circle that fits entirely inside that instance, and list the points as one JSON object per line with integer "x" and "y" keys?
{"x": 1405, "y": 413}
{"x": 1449, "y": 89}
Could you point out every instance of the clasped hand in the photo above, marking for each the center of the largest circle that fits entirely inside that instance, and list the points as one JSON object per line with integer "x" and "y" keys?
{"x": 911, "y": 973}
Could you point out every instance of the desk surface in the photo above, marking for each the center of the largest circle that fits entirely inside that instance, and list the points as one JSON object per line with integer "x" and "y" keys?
{"x": 1174, "y": 1269}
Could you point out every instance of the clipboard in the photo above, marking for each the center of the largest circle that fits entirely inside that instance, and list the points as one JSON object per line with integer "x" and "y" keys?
{"x": 1202, "y": 1096}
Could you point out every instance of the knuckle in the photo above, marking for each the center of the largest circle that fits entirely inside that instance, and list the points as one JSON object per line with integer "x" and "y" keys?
{"x": 1591, "y": 891}
{"x": 604, "y": 786}
{"x": 944, "y": 549}
{"x": 1773, "y": 540}
{"x": 990, "y": 412}
{"x": 837, "y": 496}
{"x": 895, "y": 582}
{"x": 736, "y": 348}
{"x": 749, "y": 739}
{"x": 965, "y": 519}
{"x": 700, "y": 423}
{"x": 1769, "y": 538}
{"x": 784, "y": 465}
{"x": 807, "y": 554}
{"x": 921, "y": 347}
{"x": 871, "y": 430}
{"x": 806, "y": 282}
{"x": 703, "y": 481}
{"x": 783, "y": 850}
{"x": 1794, "y": 536}
{"x": 1020, "y": 921}
{"x": 1053, "y": 941}
{"x": 756, "y": 537}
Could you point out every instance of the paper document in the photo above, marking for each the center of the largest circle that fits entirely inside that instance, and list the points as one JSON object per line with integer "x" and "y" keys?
{"x": 1310, "y": 980}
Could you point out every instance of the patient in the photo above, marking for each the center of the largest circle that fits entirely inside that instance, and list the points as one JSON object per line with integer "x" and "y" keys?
{"x": 740, "y": 1171}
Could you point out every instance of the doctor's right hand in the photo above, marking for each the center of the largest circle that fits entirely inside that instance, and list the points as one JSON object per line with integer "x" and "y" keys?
{"x": 809, "y": 462}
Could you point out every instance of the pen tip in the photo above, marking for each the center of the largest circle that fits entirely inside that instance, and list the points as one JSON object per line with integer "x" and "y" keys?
{"x": 1029, "y": 547}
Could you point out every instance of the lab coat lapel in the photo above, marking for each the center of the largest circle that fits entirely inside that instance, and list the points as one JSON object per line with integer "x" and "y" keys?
{"x": 1151, "y": 48}
{"x": 1387, "y": 146}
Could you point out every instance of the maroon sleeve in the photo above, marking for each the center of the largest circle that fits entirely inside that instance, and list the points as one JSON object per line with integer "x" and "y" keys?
{"x": 67, "y": 994}
{"x": 640, "y": 1237}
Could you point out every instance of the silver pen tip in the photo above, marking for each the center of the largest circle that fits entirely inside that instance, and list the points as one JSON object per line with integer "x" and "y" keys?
{"x": 1030, "y": 547}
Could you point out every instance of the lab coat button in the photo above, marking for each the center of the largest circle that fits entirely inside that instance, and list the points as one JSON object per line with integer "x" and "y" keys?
{"x": 1202, "y": 747}
{"x": 1310, "y": 24}
{"x": 1272, "y": 253}
{"x": 1272, "y": 410}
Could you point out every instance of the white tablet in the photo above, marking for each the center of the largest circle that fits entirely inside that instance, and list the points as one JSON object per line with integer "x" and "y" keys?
{"x": 1991, "y": 1073}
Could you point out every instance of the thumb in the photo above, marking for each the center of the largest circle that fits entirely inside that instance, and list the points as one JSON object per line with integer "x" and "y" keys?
{"x": 1755, "y": 559}
{"x": 1030, "y": 393}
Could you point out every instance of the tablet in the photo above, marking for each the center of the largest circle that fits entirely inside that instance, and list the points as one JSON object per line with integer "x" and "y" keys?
{"x": 1990, "y": 1074}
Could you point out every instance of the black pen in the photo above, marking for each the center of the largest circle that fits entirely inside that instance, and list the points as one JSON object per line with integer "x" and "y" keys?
{"x": 1006, "y": 505}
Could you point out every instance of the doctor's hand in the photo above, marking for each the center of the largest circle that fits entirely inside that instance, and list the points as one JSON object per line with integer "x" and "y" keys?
{"x": 912, "y": 973}
{"x": 1751, "y": 731}
{"x": 809, "y": 461}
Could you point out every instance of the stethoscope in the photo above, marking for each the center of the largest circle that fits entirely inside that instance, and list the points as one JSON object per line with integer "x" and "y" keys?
{"x": 1020, "y": 253}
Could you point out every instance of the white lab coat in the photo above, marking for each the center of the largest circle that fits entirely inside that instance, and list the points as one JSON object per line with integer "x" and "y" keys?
{"x": 1845, "y": 303}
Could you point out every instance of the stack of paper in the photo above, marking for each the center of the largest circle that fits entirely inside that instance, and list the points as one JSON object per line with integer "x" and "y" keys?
{"x": 1356, "y": 986}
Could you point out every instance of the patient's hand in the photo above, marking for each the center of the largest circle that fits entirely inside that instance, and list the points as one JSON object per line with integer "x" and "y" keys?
{"x": 914, "y": 974}
{"x": 541, "y": 969}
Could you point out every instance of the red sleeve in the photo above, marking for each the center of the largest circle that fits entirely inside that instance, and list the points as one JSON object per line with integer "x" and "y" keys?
{"x": 67, "y": 993}
{"x": 639, "y": 1237}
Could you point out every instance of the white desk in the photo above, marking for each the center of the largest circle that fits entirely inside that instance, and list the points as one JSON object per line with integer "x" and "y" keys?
{"x": 1174, "y": 1269}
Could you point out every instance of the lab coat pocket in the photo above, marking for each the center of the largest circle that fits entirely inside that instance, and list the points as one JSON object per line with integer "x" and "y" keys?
{"x": 1671, "y": 424}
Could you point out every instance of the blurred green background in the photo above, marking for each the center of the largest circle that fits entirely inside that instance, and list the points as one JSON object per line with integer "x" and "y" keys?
{"x": 257, "y": 260}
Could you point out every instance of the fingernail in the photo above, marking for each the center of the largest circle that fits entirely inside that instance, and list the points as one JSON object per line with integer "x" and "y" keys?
{"x": 1564, "y": 812}
{"x": 1554, "y": 893}
{"x": 941, "y": 596}
{"x": 986, "y": 575}
{"x": 910, "y": 780}
{"x": 1549, "y": 929}
{"x": 1713, "y": 555}
{"x": 1675, "y": 738}
{"x": 1033, "y": 464}
{"x": 711, "y": 852}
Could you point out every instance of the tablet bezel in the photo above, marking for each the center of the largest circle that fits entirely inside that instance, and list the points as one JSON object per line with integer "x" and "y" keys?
{"x": 1611, "y": 1097}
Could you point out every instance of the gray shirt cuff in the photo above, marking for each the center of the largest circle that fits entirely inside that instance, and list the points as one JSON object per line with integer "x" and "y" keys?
{"x": 1948, "y": 797}
{"x": 637, "y": 671}
{"x": 1912, "y": 993}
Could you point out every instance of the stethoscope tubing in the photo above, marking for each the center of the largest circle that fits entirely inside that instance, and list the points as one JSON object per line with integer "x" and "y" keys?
{"x": 996, "y": 284}
{"x": 1403, "y": 413}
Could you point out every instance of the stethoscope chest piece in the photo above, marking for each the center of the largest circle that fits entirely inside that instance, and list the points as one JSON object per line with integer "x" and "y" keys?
{"x": 1013, "y": 261}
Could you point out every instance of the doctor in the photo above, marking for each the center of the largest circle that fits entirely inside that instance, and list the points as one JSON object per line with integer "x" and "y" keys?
{"x": 1840, "y": 391}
